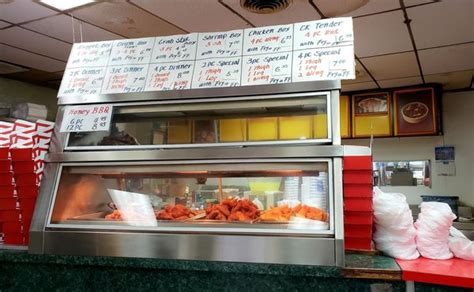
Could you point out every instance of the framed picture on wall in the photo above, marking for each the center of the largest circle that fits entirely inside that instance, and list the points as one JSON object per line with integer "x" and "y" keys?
{"x": 371, "y": 115}
{"x": 415, "y": 112}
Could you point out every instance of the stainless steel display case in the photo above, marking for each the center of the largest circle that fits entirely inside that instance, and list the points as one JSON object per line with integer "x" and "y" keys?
{"x": 69, "y": 216}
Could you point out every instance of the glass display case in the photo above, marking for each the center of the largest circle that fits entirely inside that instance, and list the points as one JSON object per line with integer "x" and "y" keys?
{"x": 247, "y": 178}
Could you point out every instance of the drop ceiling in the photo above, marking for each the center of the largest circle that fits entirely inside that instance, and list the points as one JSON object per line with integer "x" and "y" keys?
{"x": 397, "y": 43}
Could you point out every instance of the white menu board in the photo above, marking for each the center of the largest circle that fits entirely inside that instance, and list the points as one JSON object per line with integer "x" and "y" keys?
{"x": 82, "y": 81}
{"x": 301, "y": 52}
{"x": 220, "y": 44}
{"x": 270, "y": 39}
{"x": 94, "y": 54}
{"x": 170, "y": 76}
{"x": 223, "y": 72}
{"x": 120, "y": 79}
{"x": 86, "y": 118}
{"x": 128, "y": 52}
{"x": 267, "y": 69}
{"x": 175, "y": 48}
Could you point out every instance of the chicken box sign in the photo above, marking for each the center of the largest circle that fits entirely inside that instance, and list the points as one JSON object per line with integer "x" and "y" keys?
{"x": 300, "y": 52}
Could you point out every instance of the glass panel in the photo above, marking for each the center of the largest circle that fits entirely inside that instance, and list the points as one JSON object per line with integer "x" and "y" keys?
{"x": 204, "y": 123}
{"x": 260, "y": 195}
{"x": 402, "y": 173}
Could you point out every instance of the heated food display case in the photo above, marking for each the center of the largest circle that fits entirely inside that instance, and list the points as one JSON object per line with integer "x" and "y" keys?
{"x": 249, "y": 174}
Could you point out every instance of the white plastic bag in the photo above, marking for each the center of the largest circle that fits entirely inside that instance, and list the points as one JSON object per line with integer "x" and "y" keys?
{"x": 432, "y": 230}
{"x": 460, "y": 245}
{"x": 394, "y": 231}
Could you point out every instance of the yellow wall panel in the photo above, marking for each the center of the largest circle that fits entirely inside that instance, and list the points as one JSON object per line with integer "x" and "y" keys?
{"x": 232, "y": 130}
{"x": 365, "y": 126}
{"x": 344, "y": 105}
{"x": 320, "y": 126}
{"x": 261, "y": 129}
{"x": 297, "y": 127}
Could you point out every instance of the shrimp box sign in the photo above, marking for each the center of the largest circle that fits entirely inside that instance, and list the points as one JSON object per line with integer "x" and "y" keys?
{"x": 86, "y": 118}
{"x": 300, "y": 52}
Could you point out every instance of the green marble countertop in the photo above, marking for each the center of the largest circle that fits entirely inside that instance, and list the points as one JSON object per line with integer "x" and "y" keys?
{"x": 357, "y": 265}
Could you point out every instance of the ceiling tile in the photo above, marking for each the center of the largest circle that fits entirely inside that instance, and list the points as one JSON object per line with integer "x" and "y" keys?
{"x": 447, "y": 59}
{"x": 193, "y": 16}
{"x": 298, "y": 11}
{"x": 126, "y": 19}
{"x": 381, "y": 34}
{"x": 392, "y": 66}
{"x": 399, "y": 82}
{"x": 442, "y": 23}
{"x": 60, "y": 27}
{"x": 452, "y": 80}
{"x": 361, "y": 75}
{"x": 358, "y": 86}
{"x": 34, "y": 42}
{"x": 23, "y": 10}
{"x": 28, "y": 59}
{"x": 372, "y": 6}
{"x": 4, "y": 24}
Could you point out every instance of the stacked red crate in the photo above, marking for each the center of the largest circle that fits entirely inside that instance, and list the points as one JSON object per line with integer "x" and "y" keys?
{"x": 358, "y": 212}
{"x": 22, "y": 151}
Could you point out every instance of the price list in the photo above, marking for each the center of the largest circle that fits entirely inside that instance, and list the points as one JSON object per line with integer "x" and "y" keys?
{"x": 267, "y": 69}
{"x": 82, "y": 81}
{"x": 86, "y": 118}
{"x": 223, "y": 72}
{"x": 135, "y": 51}
{"x": 272, "y": 39}
{"x": 221, "y": 44}
{"x": 95, "y": 54}
{"x": 175, "y": 48}
{"x": 124, "y": 79}
{"x": 170, "y": 76}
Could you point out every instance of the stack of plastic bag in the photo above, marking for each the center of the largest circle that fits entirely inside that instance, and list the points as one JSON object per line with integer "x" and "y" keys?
{"x": 433, "y": 224}
{"x": 460, "y": 245}
{"x": 394, "y": 231}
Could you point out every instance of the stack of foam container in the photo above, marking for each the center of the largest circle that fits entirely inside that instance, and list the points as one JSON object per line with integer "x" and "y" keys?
{"x": 22, "y": 152}
{"x": 358, "y": 212}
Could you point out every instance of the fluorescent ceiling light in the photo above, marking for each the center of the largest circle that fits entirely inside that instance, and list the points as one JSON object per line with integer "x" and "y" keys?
{"x": 66, "y": 4}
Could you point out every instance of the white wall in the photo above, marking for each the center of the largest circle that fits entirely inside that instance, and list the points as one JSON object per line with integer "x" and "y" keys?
{"x": 458, "y": 123}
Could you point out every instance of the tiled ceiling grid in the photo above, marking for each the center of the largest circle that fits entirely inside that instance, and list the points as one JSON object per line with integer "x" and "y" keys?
{"x": 397, "y": 43}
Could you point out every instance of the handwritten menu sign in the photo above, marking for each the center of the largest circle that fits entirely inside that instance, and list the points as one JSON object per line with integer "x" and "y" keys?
{"x": 271, "y": 39}
{"x": 136, "y": 51}
{"x": 323, "y": 34}
{"x": 82, "y": 81}
{"x": 267, "y": 69}
{"x": 223, "y": 72}
{"x": 94, "y": 54}
{"x": 175, "y": 48}
{"x": 86, "y": 118}
{"x": 322, "y": 64}
{"x": 170, "y": 76}
{"x": 220, "y": 44}
{"x": 121, "y": 79}
{"x": 301, "y": 52}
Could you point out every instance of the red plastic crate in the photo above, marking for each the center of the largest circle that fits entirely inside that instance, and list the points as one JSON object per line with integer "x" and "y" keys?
{"x": 21, "y": 154}
{"x": 12, "y": 227}
{"x": 358, "y": 163}
{"x": 4, "y": 153}
{"x": 7, "y": 191}
{"x": 6, "y": 179}
{"x": 5, "y": 166}
{"x": 25, "y": 179}
{"x": 358, "y": 204}
{"x": 358, "y": 243}
{"x": 24, "y": 166}
{"x": 10, "y": 216}
{"x": 8, "y": 204}
{"x": 358, "y": 231}
{"x": 357, "y": 177}
{"x": 358, "y": 191}
{"x": 24, "y": 192}
{"x": 27, "y": 204}
{"x": 362, "y": 218}
{"x": 13, "y": 238}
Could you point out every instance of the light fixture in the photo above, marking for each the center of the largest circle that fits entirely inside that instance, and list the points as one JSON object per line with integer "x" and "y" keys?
{"x": 65, "y": 4}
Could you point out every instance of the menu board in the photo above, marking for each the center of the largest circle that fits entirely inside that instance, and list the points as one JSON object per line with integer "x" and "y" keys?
{"x": 86, "y": 118}
{"x": 301, "y": 52}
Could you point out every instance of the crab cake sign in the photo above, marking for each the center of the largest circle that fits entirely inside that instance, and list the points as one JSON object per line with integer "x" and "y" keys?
{"x": 300, "y": 52}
